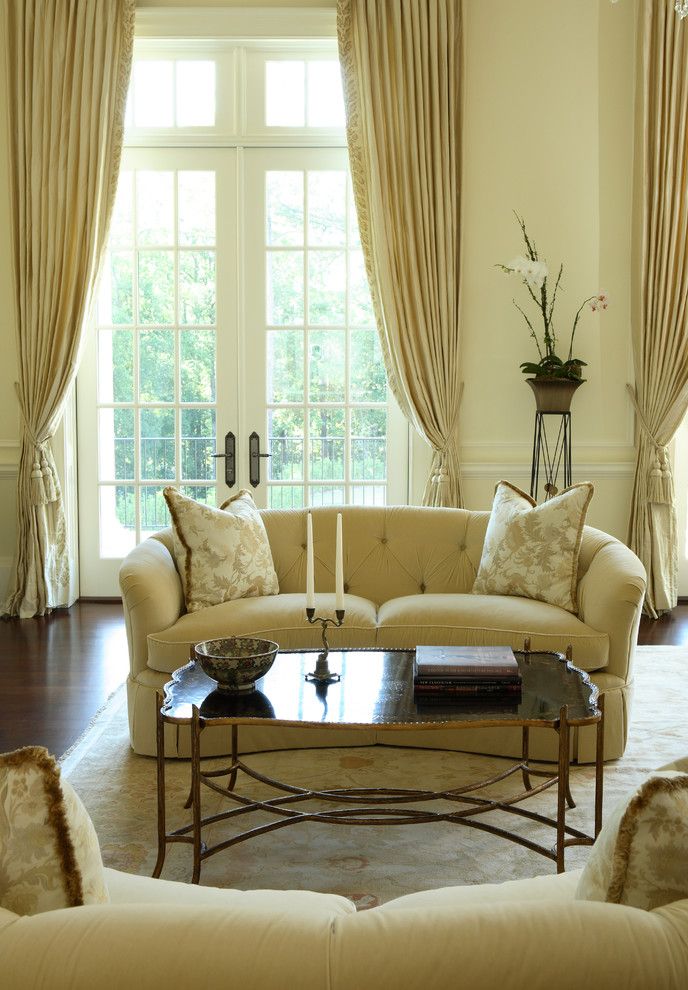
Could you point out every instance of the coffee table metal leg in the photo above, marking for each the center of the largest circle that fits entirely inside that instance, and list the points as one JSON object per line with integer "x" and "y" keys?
{"x": 235, "y": 756}
{"x": 160, "y": 757}
{"x": 599, "y": 767}
{"x": 525, "y": 753}
{"x": 196, "y": 791}
{"x": 562, "y": 785}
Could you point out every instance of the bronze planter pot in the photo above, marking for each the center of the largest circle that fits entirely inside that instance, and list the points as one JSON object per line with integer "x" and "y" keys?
{"x": 553, "y": 395}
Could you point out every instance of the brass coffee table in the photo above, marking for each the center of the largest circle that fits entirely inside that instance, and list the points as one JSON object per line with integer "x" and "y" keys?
{"x": 376, "y": 691}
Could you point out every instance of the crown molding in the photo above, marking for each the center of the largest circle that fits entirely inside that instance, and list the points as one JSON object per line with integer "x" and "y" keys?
{"x": 236, "y": 22}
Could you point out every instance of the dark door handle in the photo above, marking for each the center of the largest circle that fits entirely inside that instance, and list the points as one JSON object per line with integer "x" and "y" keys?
{"x": 254, "y": 456}
{"x": 230, "y": 459}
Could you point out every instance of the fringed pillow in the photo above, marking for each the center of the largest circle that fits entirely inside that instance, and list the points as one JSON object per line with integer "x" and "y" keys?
{"x": 49, "y": 852}
{"x": 532, "y": 550}
{"x": 221, "y": 554}
{"x": 640, "y": 858}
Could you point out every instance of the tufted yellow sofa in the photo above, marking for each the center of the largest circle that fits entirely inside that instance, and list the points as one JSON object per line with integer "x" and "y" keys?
{"x": 408, "y": 575}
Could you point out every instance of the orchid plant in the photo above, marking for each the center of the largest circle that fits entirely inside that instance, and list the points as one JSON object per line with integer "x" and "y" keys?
{"x": 534, "y": 274}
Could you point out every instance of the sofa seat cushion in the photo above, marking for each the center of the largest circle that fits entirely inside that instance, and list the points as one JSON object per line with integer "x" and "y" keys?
{"x": 550, "y": 887}
{"x": 127, "y": 888}
{"x": 489, "y": 620}
{"x": 281, "y": 618}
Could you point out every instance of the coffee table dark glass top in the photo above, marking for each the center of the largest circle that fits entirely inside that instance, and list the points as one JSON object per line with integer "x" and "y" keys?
{"x": 376, "y": 688}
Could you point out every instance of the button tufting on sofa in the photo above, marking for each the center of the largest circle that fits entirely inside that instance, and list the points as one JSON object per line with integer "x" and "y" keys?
{"x": 394, "y": 606}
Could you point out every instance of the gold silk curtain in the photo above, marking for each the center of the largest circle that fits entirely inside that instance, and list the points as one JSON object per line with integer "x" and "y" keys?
{"x": 660, "y": 325}
{"x": 68, "y": 66}
{"x": 401, "y": 65}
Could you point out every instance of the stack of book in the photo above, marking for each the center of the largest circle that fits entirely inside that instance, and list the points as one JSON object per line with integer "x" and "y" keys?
{"x": 466, "y": 673}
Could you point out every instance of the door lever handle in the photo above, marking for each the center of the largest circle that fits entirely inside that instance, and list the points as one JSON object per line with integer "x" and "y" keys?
{"x": 254, "y": 456}
{"x": 230, "y": 459}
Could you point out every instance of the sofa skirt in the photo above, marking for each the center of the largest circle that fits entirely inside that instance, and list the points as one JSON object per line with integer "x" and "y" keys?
{"x": 501, "y": 741}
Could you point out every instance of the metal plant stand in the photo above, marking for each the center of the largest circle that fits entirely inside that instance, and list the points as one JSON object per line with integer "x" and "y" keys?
{"x": 551, "y": 454}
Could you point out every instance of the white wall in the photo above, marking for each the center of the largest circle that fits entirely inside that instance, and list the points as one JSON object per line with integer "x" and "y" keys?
{"x": 548, "y": 132}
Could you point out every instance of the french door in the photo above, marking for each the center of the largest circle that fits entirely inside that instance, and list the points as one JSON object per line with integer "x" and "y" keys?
{"x": 233, "y": 314}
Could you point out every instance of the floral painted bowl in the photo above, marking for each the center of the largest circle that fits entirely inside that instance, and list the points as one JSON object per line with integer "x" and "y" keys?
{"x": 236, "y": 663}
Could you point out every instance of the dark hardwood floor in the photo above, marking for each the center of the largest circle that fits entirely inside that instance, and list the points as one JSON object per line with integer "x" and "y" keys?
{"x": 669, "y": 630}
{"x": 56, "y": 672}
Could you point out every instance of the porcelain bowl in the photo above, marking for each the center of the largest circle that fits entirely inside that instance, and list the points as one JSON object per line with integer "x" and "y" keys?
{"x": 236, "y": 663}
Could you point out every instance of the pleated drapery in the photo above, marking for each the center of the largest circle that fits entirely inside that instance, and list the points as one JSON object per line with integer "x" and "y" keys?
{"x": 660, "y": 325}
{"x": 68, "y": 66}
{"x": 401, "y": 65}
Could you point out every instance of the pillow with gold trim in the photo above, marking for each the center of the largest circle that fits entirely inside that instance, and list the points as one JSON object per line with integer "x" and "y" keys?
{"x": 221, "y": 554}
{"x": 49, "y": 851}
{"x": 532, "y": 550}
{"x": 640, "y": 858}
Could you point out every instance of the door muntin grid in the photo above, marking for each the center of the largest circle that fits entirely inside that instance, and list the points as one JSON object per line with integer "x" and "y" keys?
{"x": 326, "y": 396}
{"x": 156, "y": 352}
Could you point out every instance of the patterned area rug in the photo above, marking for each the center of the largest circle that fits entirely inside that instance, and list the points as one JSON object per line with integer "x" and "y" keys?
{"x": 370, "y": 865}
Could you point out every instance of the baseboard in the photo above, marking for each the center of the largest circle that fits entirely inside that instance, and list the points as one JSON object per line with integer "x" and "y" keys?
{"x": 104, "y": 600}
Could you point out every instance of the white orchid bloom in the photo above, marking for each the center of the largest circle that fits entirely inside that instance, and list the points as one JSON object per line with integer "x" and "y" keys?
{"x": 518, "y": 265}
{"x": 534, "y": 272}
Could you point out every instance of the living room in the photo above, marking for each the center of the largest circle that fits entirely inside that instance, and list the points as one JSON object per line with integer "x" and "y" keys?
{"x": 546, "y": 160}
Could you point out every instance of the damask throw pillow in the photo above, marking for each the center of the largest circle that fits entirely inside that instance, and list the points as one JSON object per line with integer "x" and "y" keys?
{"x": 640, "y": 858}
{"x": 221, "y": 554}
{"x": 49, "y": 852}
{"x": 532, "y": 550}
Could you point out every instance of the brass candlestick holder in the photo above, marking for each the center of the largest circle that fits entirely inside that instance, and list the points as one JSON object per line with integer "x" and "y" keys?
{"x": 322, "y": 673}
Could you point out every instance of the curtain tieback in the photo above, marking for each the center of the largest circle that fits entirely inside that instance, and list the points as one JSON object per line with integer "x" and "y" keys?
{"x": 441, "y": 455}
{"x": 660, "y": 481}
{"x": 44, "y": 483}
{"x": 440, "y": 478}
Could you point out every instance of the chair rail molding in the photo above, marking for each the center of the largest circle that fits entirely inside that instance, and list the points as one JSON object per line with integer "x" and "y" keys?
{"x": 9, "y": 459}
{"x": 489, "y": 470}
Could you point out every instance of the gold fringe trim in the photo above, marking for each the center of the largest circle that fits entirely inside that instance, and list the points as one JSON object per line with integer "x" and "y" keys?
{"x": 39, "y": 757}
{"x": 628, "y": 828}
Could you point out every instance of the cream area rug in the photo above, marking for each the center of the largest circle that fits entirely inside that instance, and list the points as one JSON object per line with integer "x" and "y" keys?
{"x": 368, "y": 864}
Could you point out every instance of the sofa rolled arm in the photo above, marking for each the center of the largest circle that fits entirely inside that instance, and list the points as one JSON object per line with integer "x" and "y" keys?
{"x": 610, "y": 599}
{"x": 152, "y": 596}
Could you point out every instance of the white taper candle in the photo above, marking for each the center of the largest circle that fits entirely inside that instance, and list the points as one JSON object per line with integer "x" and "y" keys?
{"x": 310, "y": 565}
{"x": 339, "y": 568}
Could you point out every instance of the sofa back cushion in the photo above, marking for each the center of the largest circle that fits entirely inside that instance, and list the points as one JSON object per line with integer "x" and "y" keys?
{"x": 640, "y": 858}
{"x": 532, "y": 550}
{"x": 221, "y": 554}
{"x": 49, "y": 852}
{"x": 388, "y": 551}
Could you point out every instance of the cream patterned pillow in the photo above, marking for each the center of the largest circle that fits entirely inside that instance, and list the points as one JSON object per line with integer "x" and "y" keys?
{"x": 532, "y": 550}
{"x": 221, "y": 554}
{"x": 640, "y": 858}
{"x": 49, "y": 852}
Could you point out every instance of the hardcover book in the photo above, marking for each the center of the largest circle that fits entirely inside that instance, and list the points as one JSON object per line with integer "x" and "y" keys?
{"x": 488, "y": 662}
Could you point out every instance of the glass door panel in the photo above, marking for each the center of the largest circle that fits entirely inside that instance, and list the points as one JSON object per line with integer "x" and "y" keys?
{"x": 316, "y": 388}
{"x": 164, "y": 324}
